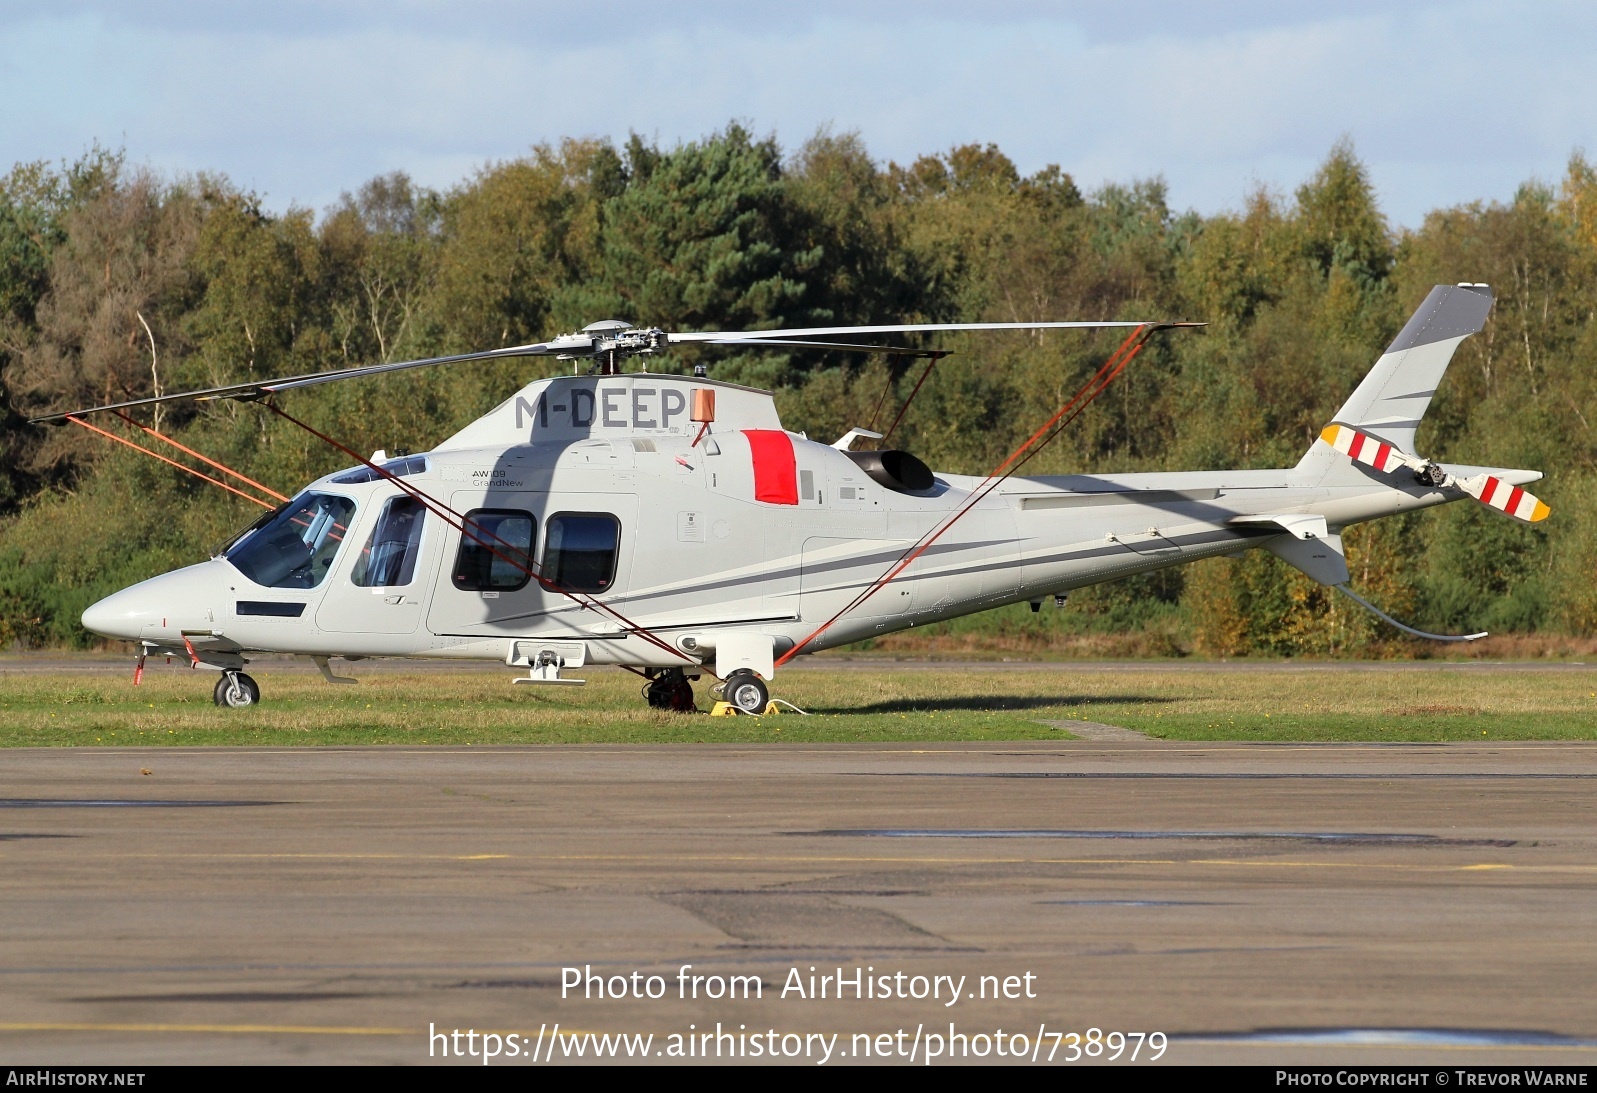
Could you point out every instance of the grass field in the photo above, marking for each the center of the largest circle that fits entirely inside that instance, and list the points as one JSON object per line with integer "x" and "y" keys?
{"x": 936, "y": 703}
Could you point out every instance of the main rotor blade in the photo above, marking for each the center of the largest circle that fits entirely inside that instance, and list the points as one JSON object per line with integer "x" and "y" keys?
{"x": 249, "y": 392}
{"x": 851, "y": 347}
{"x": 913, "y": 328}
{"x": 582, "y": 344}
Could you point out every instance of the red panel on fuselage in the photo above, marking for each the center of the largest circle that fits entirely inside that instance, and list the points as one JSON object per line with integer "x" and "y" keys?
{"x": 775, "y": 468}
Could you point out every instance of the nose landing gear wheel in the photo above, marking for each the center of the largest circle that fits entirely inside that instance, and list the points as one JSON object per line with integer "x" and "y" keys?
{"x": 235, "y": 691}
{"x": 747, "y": 692}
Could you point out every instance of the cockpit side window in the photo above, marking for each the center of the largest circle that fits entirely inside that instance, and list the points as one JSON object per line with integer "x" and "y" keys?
{"x": 388, "y": 560}
{"x": 297, "y": 547}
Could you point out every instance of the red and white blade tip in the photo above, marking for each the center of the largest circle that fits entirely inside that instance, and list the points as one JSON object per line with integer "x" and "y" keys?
{"x": 1510, "y": 500}
{"x": 1363, "y": 449}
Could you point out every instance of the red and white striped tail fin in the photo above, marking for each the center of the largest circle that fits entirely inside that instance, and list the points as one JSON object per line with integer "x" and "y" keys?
{"x": 1362, "y": 448}
{"x": 1511, "y": 500}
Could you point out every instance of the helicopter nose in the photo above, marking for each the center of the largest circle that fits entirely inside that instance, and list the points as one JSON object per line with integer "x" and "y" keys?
{"x": 123, "y": 614}
{"x": 159, "y": 608}
{"x": 118, "y": 616}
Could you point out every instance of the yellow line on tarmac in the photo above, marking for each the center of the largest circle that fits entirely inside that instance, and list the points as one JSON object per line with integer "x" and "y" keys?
{"x": 1482, "y": 867}
{"x": 1353, "y": 865}
{"x": 1363, "y": 1045}
{"x": 296, "y": 1030}
{"x": 360, "y": 1030}
{"x": 813, "y": 859}
{"x": 291, "y": 856}
{"x": 275, "y": 1030}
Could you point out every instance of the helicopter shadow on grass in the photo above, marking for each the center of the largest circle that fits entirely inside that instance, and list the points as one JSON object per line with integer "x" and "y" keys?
{"x": 1002, "y": 704}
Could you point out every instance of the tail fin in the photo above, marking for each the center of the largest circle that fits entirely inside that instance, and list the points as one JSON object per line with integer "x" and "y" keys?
{"x": 1396, "y": 393}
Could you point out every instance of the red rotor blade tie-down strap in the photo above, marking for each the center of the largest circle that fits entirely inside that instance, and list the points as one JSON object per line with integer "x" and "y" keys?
{"x": 157, "y": 455}
{"x": 1016, "y": 459}
{"x": 904, "y": 409}
{"x": 202, "y": 458}
{"x": 475, "y": 532}
{"x": 892, "y": 362}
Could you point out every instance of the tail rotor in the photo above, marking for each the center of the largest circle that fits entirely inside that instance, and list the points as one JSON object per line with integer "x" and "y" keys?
{"x": 1488, "y": 489}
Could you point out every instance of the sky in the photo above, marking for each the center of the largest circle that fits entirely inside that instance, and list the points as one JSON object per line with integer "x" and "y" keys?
{"x": 301, "y": 100}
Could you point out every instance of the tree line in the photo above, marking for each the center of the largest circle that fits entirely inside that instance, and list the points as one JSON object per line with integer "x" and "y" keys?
{"x": 117, "y": 282}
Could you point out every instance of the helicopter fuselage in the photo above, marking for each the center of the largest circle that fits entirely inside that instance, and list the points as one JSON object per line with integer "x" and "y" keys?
{"x": 728, "y": 541}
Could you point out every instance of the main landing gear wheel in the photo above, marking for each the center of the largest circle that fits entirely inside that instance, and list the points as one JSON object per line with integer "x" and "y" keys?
{"x": 746, "y": 691}
{"x": 670, "y": 690}
{"x": 235, "y": 690}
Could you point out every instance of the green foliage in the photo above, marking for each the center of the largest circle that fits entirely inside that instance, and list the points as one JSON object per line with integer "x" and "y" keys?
{"x": 520, "y": 246}
{"x": 1340, "y": 228}
{"x": 116, "y": 283}
{"x": 700, "y": 238}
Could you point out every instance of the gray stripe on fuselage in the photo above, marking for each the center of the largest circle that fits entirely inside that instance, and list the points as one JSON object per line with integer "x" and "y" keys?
{"x": 1184, "y": 542}
{"x": 885, "y": 557}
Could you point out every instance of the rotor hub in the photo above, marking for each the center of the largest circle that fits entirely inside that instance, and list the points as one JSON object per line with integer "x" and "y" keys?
{"x": 609, "y": 342}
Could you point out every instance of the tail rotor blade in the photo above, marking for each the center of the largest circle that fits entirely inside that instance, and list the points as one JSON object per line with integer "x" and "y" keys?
{"x": 1509, "y": 500}
{"x": 1362, "y": 448}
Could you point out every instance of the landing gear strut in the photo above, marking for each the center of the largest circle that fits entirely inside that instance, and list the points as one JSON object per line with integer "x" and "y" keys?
{"x": 669, "y": 689}
{"x": 235, "y": 691}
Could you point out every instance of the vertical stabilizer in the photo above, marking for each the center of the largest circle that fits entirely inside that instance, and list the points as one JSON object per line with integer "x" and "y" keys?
{"x": 1395, "y": 394}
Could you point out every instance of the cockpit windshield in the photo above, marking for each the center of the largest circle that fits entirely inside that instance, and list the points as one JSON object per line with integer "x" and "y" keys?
{"x": 296, "y": 547}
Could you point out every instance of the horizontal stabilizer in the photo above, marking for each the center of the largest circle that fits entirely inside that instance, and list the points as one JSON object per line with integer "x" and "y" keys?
{"x": 1296, "y": 524}
{"x": 1320, "y": 559}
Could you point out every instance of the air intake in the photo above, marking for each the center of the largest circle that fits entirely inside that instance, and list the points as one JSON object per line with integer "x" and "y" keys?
{"x": 898, "y": 471}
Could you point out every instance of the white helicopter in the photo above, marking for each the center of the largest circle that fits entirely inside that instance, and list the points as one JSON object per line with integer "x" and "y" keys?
{"x": 670, "y": 525}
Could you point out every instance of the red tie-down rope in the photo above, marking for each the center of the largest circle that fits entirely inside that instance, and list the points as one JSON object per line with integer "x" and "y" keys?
{"x": 468, "y": 528}
{"x": 138, "y": 667}
{"x": 904, "y": 409}
{"x": 202, "y": 458}
{"x": 190, "y": 470}
{"x": 1016, "y": 459}
{"x": 935, "y": 355}
{"x": 881, "y": 399}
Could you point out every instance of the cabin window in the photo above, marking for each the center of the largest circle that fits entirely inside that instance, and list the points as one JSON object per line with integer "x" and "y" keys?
{"x": 495, "y": 551}
{"x": 388, "y": 560}
{"x": 580, "y": 550}
{"x": 296, "y": 547}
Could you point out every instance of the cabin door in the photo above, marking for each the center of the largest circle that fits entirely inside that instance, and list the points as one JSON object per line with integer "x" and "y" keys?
{"x": 380, "y": 586}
